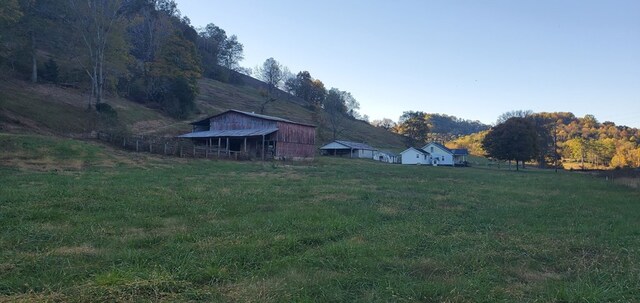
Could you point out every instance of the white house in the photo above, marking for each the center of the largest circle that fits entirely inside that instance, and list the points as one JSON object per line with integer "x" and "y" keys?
{"x": 441, "y": 155}
{"x": 414, "y": 155}
{"x": 434, "y": 154}
{"x": 350, "y": 149}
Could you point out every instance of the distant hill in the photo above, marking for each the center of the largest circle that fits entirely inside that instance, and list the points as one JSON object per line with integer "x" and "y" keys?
{"x": 445, "y": 124}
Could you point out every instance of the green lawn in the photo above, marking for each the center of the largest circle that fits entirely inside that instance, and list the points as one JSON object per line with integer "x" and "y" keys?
{"x": 334, "y": 230}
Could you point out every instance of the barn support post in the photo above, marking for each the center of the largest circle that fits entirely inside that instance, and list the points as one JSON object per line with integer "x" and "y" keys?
{"x": 150, "y": 147}
{"x": 262, "y": 147}
{"x": 124, "y": 142}
{"x": 245, "y": 144}
{"x": 137, "y": 146}
{"x": 219, "y": 143}
{"x": 194, "y": 150}
{"x": 351, "y": 153}
{"x": 165, "y": 148}
{"x": 228, "y": 149}
{"x": 180, "y": 150}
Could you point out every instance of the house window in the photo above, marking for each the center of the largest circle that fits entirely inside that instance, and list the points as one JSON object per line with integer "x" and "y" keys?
{"x": 442, "y": 158}
{"x": 417, "y": 156}
{"x": 432, "y": 149}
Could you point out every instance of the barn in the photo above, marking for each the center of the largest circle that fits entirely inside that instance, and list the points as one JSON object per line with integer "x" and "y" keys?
{"x": 348, "y": 148}
{"x": 255, "y": 136}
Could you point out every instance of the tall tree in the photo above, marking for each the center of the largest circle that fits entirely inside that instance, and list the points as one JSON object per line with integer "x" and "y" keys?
{"x": 335, "y": 107}
{"x": 231, "y": 53}
{"x": 515, "y": 139}
{"x": 98, "y": 22}
{"x": 270, "y": 72}
{"x": 307, "y": 88}
{"x": 413, "y": 126}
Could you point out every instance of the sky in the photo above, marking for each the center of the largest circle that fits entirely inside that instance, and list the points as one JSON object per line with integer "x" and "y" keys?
{"x": 471, "y": 59}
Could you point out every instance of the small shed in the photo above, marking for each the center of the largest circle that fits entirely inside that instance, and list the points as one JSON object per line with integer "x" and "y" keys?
{"x": 347, "y": 148}
{"x": 414, "y": 155}
{"x": 386, "y": 156}
{"x": 254, "y": 135}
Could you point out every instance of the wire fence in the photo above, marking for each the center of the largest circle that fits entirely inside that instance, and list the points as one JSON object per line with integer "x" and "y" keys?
{"x": 174, "y": 147}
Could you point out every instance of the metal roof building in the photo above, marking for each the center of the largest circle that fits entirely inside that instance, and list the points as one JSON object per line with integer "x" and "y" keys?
{"x": 255, "y": 135}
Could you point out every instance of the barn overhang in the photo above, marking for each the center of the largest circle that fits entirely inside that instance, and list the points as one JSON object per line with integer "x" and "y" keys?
{"x": 230, "y": 133}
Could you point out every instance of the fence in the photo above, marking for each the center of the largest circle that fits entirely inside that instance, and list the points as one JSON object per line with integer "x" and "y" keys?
{"x": 175, "y": 147}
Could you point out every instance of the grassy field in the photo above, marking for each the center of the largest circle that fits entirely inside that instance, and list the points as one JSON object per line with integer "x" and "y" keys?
{"x": 124, "y": 227}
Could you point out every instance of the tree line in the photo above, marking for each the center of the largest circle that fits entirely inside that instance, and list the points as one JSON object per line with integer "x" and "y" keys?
{"x": 144, "y": 50}
{"x": 419, "y": 127}
{"x": 557, "y": 138}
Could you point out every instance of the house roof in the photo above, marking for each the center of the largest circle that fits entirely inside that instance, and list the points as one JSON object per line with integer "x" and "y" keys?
{"x": 460, "y": 151}
{"x": 259, "y": 116}
{"x": 350, "y": 145}
{"x": 420, "y": 150}
{"x": 455, "y": 151}
{"x": 230, "y": 133}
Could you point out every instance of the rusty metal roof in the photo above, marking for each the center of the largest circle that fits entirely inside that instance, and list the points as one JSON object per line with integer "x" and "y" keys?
{"x": 265, "y": 117}
{"x": 230, "y": 133}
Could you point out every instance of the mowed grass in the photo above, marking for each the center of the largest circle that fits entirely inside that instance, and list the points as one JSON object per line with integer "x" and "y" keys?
{"x": 333, "y": 230}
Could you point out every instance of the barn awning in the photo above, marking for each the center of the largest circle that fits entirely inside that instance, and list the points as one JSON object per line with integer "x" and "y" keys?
{"x": 230, "y": 133}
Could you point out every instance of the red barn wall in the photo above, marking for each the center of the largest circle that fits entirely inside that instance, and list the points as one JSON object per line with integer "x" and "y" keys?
{"x": 295, "y": 140}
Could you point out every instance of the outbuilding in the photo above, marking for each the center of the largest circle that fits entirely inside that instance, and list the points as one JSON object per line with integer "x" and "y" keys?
{"x": 255, "y": 135}
{"x": 349, "y": 149}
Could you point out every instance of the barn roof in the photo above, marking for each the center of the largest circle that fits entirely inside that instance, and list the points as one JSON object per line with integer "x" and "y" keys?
{"x": 350, "y": 145}
{"x": 259, "y": 116}
{"x": 230, "y": 133}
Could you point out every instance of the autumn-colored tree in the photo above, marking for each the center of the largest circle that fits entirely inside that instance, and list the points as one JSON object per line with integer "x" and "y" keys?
{"x": 413, "y": 126}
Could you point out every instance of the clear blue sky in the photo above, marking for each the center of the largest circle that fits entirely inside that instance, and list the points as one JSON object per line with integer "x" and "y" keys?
{"x": 472, "y": 59}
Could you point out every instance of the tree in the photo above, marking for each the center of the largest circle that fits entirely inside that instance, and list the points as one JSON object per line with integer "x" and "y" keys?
{"x": 413, "y": 126}
{"x": 272, "y": 73}
{"x": 385, "y": 123}
{"x": 98, "y": 22}
{"x": 307, "y": 88}
{"x": 515, "y": 139}
{"x": 335, "y": 107}
{"x": 231, "y": 53}
{"x": 10, "y": 14}
{"x": 513, "y": 114}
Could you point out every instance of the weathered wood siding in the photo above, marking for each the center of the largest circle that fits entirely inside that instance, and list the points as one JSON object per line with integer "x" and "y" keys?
{"x": 295, "y": 140}
{"x": 239, "y": 121}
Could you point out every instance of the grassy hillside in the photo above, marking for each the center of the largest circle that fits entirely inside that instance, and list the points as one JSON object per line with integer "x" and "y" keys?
{"x": 216, "y": 97}
{"x": 334, "y": 230}
{"x": 48, "y": 109}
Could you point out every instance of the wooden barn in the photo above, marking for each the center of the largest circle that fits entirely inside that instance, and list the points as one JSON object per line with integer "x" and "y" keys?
{"x": 254, "y": 135}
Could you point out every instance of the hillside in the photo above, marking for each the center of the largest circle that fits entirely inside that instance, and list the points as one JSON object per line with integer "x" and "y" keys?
{"x": 53, "y": 110}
